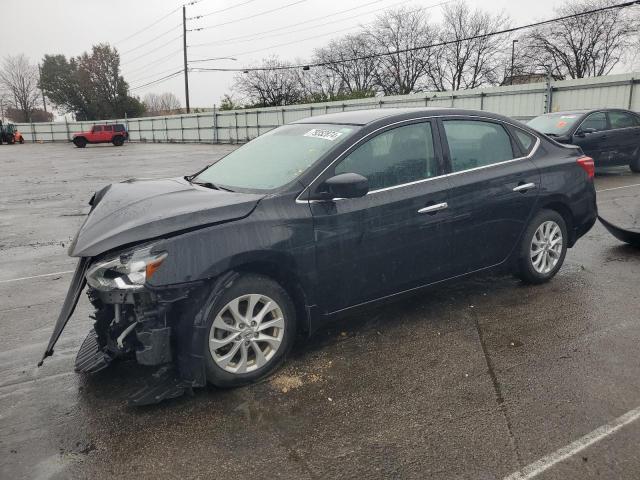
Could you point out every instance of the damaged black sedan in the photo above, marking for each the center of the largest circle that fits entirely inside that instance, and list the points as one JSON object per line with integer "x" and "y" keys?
{"x": 211, "y": 276}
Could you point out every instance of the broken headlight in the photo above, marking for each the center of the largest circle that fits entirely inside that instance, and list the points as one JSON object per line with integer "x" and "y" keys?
{"x": 127, "y": 271}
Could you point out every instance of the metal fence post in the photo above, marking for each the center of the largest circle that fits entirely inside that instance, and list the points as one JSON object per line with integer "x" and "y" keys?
{"x": 33, "y": 133}
{"x": 214, "y": 137}
{"x": 198, "y": 125}
{"x": 66, "y": 127}
{"x": 166, "y": 130}
{"x": 235, "y": 116}
{"x": 258, "y": 122}
{"x": 631, "y": 84}
{"x": 246, "y": 125}
{"x": 181, "y": 129}
{"x": 481, "y": 100}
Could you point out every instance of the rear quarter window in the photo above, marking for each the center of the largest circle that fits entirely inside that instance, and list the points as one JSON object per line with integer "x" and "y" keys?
{"x": 119, "y": 128}
{"x": 525, "y": 140}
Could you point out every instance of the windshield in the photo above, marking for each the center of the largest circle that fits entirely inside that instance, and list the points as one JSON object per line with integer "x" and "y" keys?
{"x": 554, "y": 123}
{"x": 275, "y": 158}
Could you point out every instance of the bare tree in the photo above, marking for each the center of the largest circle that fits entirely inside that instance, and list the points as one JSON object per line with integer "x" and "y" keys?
{"x": 20, "y": 80}
{"x": 161, "y": 104}
{"x": 269, "y": 88}
{"x": 319, "y": 84}
{"x": 582, "y": 46}
{"x": 343, "y": 59}
{"x": 394, "y": 31}
{"x": 470, "y": 58}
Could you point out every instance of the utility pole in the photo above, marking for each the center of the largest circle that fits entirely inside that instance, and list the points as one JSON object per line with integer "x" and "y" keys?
{"x": 186, "y": 70}
{"x": 44, "y": 102}
{"x": 513, "y": 55}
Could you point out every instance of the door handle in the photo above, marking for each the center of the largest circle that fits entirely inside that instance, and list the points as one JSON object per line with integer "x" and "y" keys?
{"x": 524, "y": 187}
{"x": 434, "y": 208}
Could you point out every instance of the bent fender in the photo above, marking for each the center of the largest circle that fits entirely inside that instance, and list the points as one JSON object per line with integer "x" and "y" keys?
{"x": 631, "y": 237}
{"x": 71, "y": 300}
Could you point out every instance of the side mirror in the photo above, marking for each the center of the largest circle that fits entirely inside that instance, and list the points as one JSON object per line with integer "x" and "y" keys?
{"x": 345, "y": 185}
{"x": 585, "y": 131}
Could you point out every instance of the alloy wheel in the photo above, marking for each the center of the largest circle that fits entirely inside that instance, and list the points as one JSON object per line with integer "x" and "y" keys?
{"x": 546, "y": 247}
{"x": 246, "y": 333}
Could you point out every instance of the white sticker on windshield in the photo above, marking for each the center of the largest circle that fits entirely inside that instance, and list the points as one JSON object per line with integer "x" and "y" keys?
{"x": 330, "y": 135}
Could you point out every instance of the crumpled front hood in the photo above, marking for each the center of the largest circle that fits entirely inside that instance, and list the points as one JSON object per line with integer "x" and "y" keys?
{"x": 137, "y": 210}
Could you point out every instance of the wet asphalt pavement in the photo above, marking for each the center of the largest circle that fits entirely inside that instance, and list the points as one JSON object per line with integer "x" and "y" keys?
{"x": 476, "y": 379}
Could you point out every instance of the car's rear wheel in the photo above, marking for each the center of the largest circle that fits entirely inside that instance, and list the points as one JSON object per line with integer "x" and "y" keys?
{"x": 80, "y": 142}
{"x": 542, "y": 248}
{"x": 634, "y": 165}
{"x": 118, "y": 141}
{"x": 21, "y": 140}
{"x": 251, "y": 328}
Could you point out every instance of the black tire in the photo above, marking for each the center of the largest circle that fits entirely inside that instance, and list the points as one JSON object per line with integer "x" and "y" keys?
{"x": 242, "y": 286}
{"x": 634, "y": 165}
{"x": 21, "y": 140}
{"x": 80, "y": 142}
{"x": 11, "y": 140}
{"x": 526, "y": 268}
{"x": 118, "y": 141}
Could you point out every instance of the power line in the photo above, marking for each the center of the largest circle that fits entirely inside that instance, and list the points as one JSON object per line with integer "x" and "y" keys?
{"x": 320, "y": 35}
{"x": 220, "y": 11}
{"x": 422, "y": 47}
{"x": 159, "y": 80}
{"x": 255, "y": 35}
{"x": 250, "y": 16}
{"x": 152, "y": 75}
{"x": 148, "y": 26}
{"x": 153, "y": 50}
{"x": 158, "y": 60}
{"x": 150, "y": 41}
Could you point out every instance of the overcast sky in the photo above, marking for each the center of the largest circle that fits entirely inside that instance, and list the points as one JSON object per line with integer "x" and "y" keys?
{"x": 71, "y": 27}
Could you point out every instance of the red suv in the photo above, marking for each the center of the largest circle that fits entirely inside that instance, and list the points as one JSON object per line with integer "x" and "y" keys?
{"x": 113, "y": 133}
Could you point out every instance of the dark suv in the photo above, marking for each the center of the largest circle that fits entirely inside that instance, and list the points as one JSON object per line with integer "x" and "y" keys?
{"x": 216, "y": 272}
{"x": 610, "y": 136}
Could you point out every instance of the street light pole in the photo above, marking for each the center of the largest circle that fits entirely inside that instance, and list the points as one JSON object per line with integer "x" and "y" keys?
{"x": 513, "y": 55}
{"x": 186, "y": 69}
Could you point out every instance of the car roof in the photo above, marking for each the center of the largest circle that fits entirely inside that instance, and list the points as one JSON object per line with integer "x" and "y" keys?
{"x": 366, "y": 117}
{"x": 586, "y": 111}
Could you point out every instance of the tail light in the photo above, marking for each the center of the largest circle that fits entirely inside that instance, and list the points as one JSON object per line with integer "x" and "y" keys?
{"x": 586, "y": 163}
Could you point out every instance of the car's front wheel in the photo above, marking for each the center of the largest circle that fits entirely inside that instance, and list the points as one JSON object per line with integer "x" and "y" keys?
{"x": 251, "y": 328}
{"x": 542, "y": 248}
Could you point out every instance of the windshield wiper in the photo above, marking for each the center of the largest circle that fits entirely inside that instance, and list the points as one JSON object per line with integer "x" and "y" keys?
{"x": 213, "y": 186}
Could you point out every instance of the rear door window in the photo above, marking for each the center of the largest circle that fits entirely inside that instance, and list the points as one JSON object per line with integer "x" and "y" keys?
{"x": 395, "y": 157}
{"x": 97, "y": 128}
{"x": 108, "y": 128}
{"x": 623, "y": 120}
{"x": 476, "y": 143}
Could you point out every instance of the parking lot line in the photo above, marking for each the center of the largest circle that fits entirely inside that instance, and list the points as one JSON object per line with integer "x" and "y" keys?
{"x": 536, "y": 468}
{"x": 618, "y": 188}
{"x": 36, "y": 276}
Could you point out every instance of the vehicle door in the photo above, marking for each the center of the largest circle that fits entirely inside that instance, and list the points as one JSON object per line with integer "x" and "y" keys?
{"x": 625, "y": 135}
{"x": 593, "y": 137}
{"x": 494, "y": 189}
{"x": 107, "y": 133}
{"x": 396, "y": 237}
{"x": 96, "y": 134}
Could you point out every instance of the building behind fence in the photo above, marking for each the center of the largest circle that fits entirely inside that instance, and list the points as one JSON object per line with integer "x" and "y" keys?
{"x": 234, "y": 126}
